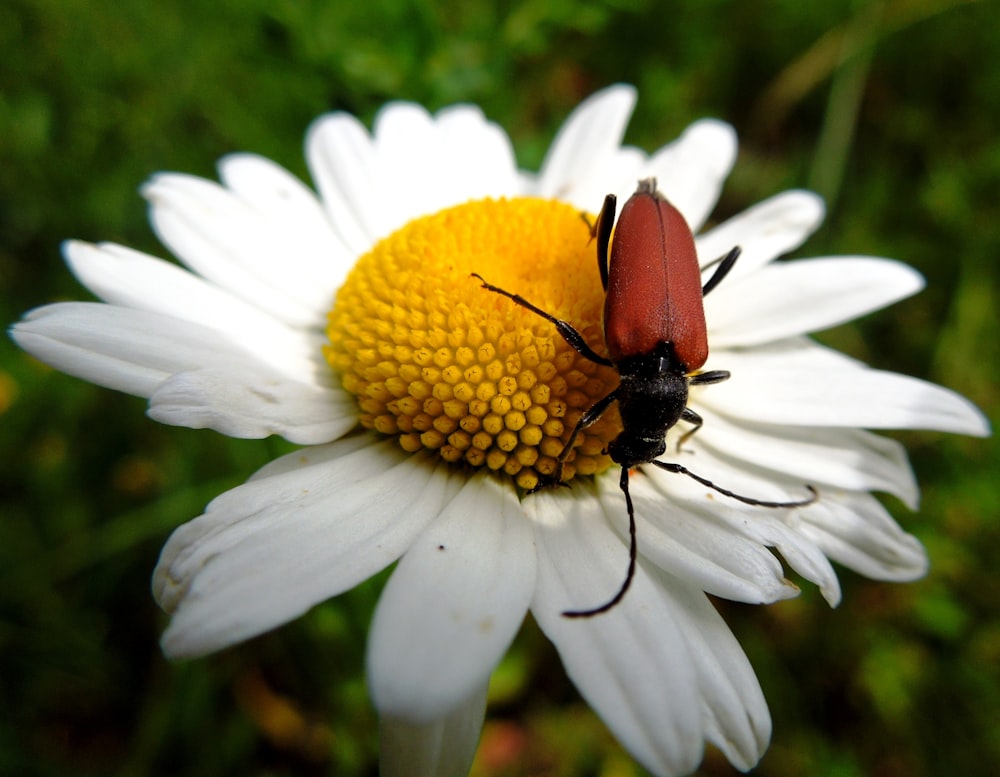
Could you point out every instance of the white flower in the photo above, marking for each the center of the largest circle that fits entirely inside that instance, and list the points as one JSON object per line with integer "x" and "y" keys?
{"x": 446, "y": 372}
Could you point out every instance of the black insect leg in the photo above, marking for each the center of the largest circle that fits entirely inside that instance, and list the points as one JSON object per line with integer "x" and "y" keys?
{"x": 707, "y": 378}
{"x": 602, "y": 231}
{"x": 696, "y": 422}
{"x": 701, "y": 379}
{"x": 725, "y": 265}
{"x": 589, "y": 417}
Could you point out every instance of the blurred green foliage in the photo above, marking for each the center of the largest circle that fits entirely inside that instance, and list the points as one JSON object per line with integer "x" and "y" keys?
{"x": 889, "y": 109}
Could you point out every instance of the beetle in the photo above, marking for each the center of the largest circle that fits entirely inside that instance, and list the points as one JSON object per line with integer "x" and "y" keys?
{"x": 656, "y": 339}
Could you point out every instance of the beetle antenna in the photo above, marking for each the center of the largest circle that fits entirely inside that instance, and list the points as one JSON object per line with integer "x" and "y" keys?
{"x": 631, "y": 560}
{"x": 569, "y": 334}
{"x": 680, "y": 469}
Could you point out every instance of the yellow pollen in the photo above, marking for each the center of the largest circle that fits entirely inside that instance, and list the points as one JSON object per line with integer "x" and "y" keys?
{"x": 442, "y": 363}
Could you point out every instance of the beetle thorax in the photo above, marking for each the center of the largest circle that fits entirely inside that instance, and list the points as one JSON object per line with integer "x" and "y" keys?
{"x": 652, "y": 396}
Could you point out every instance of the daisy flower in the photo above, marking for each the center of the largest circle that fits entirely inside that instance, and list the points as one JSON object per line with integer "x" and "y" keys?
{"x": 427, "y": 408}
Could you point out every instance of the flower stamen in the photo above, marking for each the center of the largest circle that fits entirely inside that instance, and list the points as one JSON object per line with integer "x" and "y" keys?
{"x": 442, "y": 364}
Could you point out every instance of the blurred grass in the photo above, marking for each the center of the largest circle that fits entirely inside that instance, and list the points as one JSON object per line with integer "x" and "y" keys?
{"x": 889, "y": 109}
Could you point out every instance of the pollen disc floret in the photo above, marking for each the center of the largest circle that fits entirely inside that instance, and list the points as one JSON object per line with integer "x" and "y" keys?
{"x": 446, "y": 365}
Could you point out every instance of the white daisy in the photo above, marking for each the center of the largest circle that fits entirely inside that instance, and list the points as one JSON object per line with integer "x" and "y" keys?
{"x": 427, "y": 406}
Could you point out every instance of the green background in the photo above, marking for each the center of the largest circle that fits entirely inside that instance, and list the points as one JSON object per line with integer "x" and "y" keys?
{"x": 888, "y": 109}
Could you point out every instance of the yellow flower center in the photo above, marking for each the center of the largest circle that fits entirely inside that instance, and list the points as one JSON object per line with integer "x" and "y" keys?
{"x": 442, "y": 363}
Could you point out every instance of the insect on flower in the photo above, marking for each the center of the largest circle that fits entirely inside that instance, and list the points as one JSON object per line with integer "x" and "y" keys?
{"x": 656, "y": 338}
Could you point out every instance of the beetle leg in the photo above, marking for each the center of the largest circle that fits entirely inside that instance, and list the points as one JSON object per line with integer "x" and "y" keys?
{"x": 725, "y": 265}
{"x": 692, "y": 418}
{"x": 701, "y": 379}
{"x": 706, "y": 378}
{"x": 589, "y": 417}
{"x": 602, "y": 231}
{"x": 569, "y": 334}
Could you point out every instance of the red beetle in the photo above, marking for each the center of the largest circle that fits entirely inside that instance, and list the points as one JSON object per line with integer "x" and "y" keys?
{"x": 655, "y": 333}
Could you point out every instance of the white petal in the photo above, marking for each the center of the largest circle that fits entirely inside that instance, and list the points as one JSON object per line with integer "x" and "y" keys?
{"x": 440, "y": 748}
{"x": 453, "y": 605}
{"x": 632, "y": 664}
{"x": 793, "y": 298}
{"x": 480, "y": 157}
{"x": 856, "y": 530}
{"x": 237, "y": 246}
{"x": 253, "y": 402}
{"x": 309, "y": 526}
{"x": 120, "y": 348}
{"x": 345, "y": 167}
{"x": 312, "y": 249}
{"x": 851, "y": 459}
{"x": 784, "y": 384}
{"x": 194, "y": 376}
{"x": 764, "y": 232}
{"x": 691, "y": 170}
{"x": 590, "y": 136}
{"x": 410, "y": 149}
{"x": 432, "y": 163}
{"x": 615, "y": 173}
{"x": 122, "y": 276}
{"x": 734, "y": 710}
{"x": 682, "y": 536}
